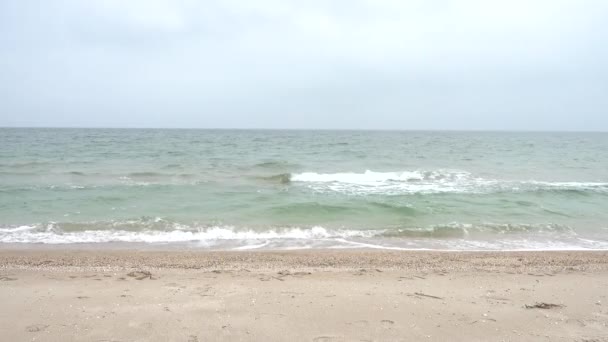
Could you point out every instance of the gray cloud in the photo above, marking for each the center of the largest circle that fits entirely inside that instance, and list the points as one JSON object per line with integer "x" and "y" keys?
{"x": 380, "y": 64}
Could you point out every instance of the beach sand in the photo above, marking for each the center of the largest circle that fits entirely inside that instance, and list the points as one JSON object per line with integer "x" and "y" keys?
{"x": 50, "y": 294}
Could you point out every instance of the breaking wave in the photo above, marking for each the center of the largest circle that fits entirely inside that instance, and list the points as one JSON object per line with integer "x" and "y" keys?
{"x": 453, "y": 236}
{"x": 52, "y": 233}
{"x": 283, "y": 178}
{"x": 439, "y": 181}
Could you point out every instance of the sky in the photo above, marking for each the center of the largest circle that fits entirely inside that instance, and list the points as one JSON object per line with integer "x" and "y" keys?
{"x": 316, "y": 64}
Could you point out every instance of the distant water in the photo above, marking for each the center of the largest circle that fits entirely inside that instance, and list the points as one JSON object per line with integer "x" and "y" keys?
{"x": 226, "y": 189}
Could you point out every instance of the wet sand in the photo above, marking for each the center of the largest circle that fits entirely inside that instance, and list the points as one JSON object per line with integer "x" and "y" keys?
{"x": 50, "y": 294}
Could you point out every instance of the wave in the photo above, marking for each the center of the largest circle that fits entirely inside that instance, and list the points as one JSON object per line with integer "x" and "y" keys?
{"x": 158, "y": 224}
{"x": 51, "y": 233}
{"x": 438, "y": 181}
{"x": 348, "y": 183}
{"x": 146, "y": 174}
{"x": 25, "y": 164}
{"x": 453, "y": 236}
{"x": 181, "y": 180}
{"x": 283, "y": 178}
{"x": 372, "y": 178}
{"x": 304, "y": 209}
{"x": 463, "y": 230}
{"x": 171, "y": 166}
{"x": 279, "y": 164}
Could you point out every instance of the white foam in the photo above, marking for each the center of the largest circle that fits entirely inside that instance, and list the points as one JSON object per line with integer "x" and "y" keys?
{"x": 247, "y": 247}
{"x": 51, "y": 235}
{"x": 571, "y": 185}
{"x": 366, "y": 178}
{"x": 299, "y": 238}
{"x": 437, "y": 181}
{"x": 391, "y": 182}
{"x": 17, "y": 229}
{"x": 355, "y": 244}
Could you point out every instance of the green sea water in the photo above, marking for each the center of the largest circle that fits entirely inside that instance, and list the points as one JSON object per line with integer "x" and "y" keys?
{"x": 246, "y": 189}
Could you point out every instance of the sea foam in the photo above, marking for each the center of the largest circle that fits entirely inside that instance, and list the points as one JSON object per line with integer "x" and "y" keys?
{"x": 51, "y": 234}
{"x": 453, "y": 236}
{"x": 436, "y": 181}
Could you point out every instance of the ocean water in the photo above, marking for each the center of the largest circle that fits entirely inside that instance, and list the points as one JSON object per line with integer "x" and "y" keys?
{"x": 256, "y": 189}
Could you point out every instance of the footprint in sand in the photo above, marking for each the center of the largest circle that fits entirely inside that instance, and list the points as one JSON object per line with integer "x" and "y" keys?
{"x": 140, "y": 275}
{"x": 387, "y": 323}
{"x": 192, "y": 338}
{"x": 362, "y": 323}
{"x": 324, "y": 339}
{"x": 4, "y": 278}
{"x": 36, "y": 327}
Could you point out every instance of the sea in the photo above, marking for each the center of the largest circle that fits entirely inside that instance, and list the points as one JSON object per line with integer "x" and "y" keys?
{"x": 292, "y": 189}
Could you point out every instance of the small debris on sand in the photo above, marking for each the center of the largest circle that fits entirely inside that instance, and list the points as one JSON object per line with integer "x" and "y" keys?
{"x": 543, "y": 306}
{"x": 140, "y": 275}
{"x": 285, "y": 273}
{"x": 425, "y": 295}
{"x": 36, "y": 327}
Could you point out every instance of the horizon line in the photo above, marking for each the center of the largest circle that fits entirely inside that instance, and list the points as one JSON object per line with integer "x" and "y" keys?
{"x": 312, "y": 129}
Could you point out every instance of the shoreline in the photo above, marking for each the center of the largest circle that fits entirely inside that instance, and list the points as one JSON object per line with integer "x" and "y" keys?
{"x": 43, "y": 257}
{"x": 51, "y": 294}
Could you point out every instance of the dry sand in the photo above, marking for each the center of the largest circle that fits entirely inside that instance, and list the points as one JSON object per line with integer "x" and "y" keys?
{"x": 119, "y": 295}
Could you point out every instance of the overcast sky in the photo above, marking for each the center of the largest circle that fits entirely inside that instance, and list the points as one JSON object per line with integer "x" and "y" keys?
{"x": 349, "y": 64}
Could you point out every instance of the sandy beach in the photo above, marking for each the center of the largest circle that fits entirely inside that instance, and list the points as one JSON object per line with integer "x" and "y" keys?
{"x": 49, "y": 294}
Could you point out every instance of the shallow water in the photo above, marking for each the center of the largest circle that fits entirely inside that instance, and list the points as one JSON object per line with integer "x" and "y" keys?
{"x": 228, "y": 189}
